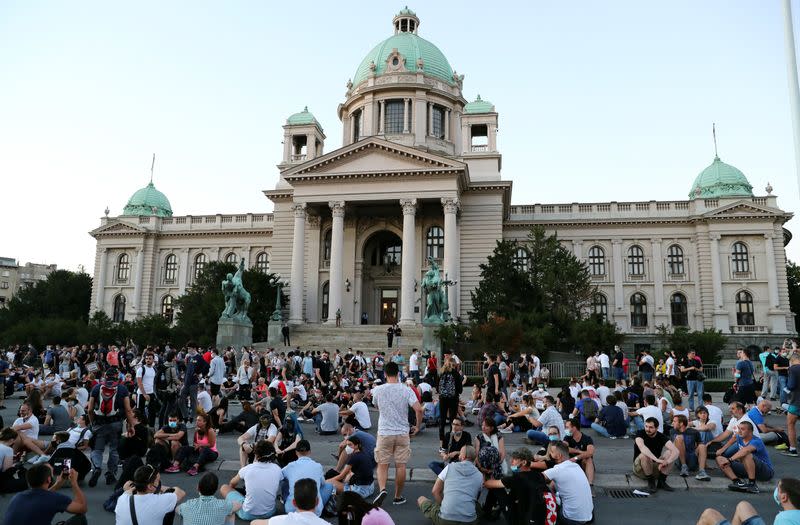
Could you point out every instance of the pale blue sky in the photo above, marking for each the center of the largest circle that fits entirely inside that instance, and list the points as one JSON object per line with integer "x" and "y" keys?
{"x": 598, "y": 101}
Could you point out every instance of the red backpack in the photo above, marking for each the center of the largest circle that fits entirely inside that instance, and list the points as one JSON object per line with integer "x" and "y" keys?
{"x": 107, "y": 406}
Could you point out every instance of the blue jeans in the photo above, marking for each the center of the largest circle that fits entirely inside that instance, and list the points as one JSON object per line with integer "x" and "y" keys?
{"x": 619, "y": 373}
{"x": 325, "y": 492}
{"x": 647, "y": 376}
{"x": 499, "y": 418}
{"x": 107, "y": 435}
{"x": 540, "y": 438}
{"x": 695, "y": 387}
{"x": 436, "y": 466}
{"x": 606, "y": 372}
{"x": 600, "y": 429}
{"x": 637, "y": 422}
{"x": 782, "y": 385}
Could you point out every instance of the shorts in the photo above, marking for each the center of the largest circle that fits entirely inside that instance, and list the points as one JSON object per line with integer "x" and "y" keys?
{"x": 763, "y": 471}
{"x": 235, "y": 496}
{"x": 755, "y": 520}
{"x": 794, "y": 410}
{"x": 364, "y": 491}
{"x": 215, "y": 389}
{"x": 395, "y": 448}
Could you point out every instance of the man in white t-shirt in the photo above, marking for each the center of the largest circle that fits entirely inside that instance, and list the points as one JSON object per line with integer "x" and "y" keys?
{"x": 204, "y": 398}
{"x": 27, "y": 427}
{"x": 265, "y": 429}
{"x": 605, "y": 365}
{"x": 392, "y": 401}
{"x": 413, "y": 365}
{"x": 150, "y": 503}
{"x": 305, "y": 501}
{"x": 359, "y": 410}
{"x": 262, "y": 480}
{"x": 714, "y": 413}
{"x": 146, "y": 400}
{"x": 670, "y": 365}
{"x": 572, "y": 486}
{"x": 535, "y": 369}
{"x": 648, "y": 410}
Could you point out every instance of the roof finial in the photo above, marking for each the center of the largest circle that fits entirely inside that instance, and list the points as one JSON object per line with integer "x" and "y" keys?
{"x": 305, "y": 109}
{"x": 714, "y": 134}
{"x": 152, "y": 165}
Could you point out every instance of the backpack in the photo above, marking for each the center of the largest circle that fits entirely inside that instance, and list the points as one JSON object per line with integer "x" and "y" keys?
{"x": 163, "y": 380}
{"x": 589, "y": 409}
{"x": 447, "y": 386}
{"x": 107, "y": 402}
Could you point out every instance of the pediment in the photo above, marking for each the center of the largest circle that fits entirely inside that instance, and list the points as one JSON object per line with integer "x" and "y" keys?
{"x": 117, "y": 228}
{"x": 373, "y": 155}
{"x": 741, "y": 209}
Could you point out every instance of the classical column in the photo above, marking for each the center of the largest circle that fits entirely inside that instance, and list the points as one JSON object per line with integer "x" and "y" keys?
{"x": 447, "y": 124}
{"x": 450, "y": 206}
{"x": 183, "y": 271}
{"x": 716, "y": 276}
{"x": 311, "y": 147}
{"x": 337, "y": 253}
{"x": 616, "y": 250}
{"x": 772, "y": 277}
{"x": 658, "y": 273}
{"x": 137, "y": 283}
{"x": 406, "y": 105}
{"x": 430, "y": 119}
{"x": 577, "y": 250}
{"x": 298, "y": 267}
{"x": 408, "y": 262}
{"x": 381, "y": 117}
{"x": 101, "y": 280}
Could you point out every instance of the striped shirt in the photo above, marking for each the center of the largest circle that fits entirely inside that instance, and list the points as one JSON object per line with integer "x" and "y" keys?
{"x": 205, "y": 510}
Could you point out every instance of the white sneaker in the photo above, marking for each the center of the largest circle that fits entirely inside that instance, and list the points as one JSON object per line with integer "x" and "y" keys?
{"x": 506, "y": 430}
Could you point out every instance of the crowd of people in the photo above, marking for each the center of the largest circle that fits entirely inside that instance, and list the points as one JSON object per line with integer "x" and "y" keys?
{"x": 132, "y": 415}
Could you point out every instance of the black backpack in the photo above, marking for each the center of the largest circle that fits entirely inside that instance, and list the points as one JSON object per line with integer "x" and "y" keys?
{"x": 163, "y": 378}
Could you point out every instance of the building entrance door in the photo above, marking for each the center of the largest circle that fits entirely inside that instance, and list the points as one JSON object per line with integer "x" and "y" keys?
{"x": 389, "y": 306}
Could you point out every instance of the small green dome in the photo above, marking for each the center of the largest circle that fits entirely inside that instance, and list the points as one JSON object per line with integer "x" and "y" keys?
{"x": 412, "y": 47}
{"x": 479, "y": 106}
{"x": 148, "y": 201}
{"x": 406, "y": 12}
{"x": 720, "y": 180}
{"x": 304, "y": 117}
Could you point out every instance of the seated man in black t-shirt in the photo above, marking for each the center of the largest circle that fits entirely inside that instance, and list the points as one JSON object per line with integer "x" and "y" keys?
{"x": 685, "y": 440}
{"x": 455, "y": 439}
{"x": 653, "y": 456}
{"x": 172, "y": 436}
{"x": 529, "y": 499}
{"x": 581, "y": 447}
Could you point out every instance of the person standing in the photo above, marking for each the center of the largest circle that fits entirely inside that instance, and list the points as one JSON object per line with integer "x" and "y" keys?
{"x": 338, "y": 317}
{"x": 146, "y": 398}
{"x": 109, "y": 404}
{"x": 744, "y": 376}
{"x": 450, "y": 388}
{"x": 793, "y": 406}
{"x": 389, "y": 336}
{"x": 618, "y": 363}
{"x": 413, "y": 365}
{"x": 216, "y": 374}
{"x": 605, "y": 365}
{"x": 187, "y": 400}
{"x": 392, "y": 401}
{"x": 692, "y": 368}
{"x": 285, "y": 334}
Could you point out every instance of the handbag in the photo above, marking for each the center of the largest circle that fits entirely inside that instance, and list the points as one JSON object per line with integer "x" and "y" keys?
{"x": 701, "y": 376}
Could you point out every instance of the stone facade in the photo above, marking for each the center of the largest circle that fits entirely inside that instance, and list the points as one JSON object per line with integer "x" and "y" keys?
{"x": 13, "y": 277}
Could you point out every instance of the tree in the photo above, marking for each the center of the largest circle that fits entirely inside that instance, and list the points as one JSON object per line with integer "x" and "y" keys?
{"x": 595, "y": 334}
{"x": 199, "y": 309}
{"x": 707, "y": 343}
{"x": 793, "y": 281}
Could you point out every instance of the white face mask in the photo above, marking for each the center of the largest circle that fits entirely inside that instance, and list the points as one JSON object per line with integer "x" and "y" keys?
{"x": 348, "y": 450}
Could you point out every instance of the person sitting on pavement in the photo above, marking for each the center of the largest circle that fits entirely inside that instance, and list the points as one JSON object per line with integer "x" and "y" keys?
{"x": 610, "y": 422}
{"x": 653, "y": 456}
{"x": 262, "y": 480}
{"x": 207, "y": 509}
{"x": 769, "y": 435}
{"x": 587, "y": 408}
{"x": 786, "y": 495}
{"x": 358, "y": 409}
{"x": 146, "y": 498}
{"x": 747, "y": 462}
{"x": 529, "y": 499}
{"x": 305, "y": 499}
{"x": 57, "y": 419}
{"x": 172, "y": 436}
{"x": 707, "y": 428}
{"x": 721, "y": 445}
{"x": 304, "y": 467}
{"x": 520, "y": 420}
{"x": 456, "y": 439}
{"x": 640, "y": 415}
{"x": 572, "y": 488}
{"x": 202, "y": 451}
{"x": 455, "y": 491}
{"x": 685, "y": 440}
{"x": 27, "y": 427}
{"x": 243, "y": 421}
{"x": 550, "y": 417}
{"x": 580, "y": 447}
{"x": 355, "y": 510}
{"x": 42, "y": 501}
{"x": 326, "y": 417}
{"x": 348, "y": 430}
{"x": 357, "y": 474}
{"x": 265, "y": 429}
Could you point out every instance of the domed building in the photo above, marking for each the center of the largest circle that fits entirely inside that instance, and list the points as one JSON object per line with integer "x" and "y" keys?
{"x": 418, "y": 179}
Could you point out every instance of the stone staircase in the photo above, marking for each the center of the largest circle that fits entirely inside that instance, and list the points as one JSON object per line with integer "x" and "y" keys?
{"x": 368, "y": 338}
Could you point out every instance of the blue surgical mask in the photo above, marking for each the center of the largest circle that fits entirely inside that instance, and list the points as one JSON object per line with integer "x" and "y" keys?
{"x": 173, "y": 424}
{"x": 552, "y": 437}
{"x": 737, "y": 375}
{"x": 776, "y": 497}
{"x": 515, "y": 468}
{"x": 567, "y": 433}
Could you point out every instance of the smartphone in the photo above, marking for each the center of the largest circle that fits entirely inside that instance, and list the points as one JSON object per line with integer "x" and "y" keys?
{"x": 67, "y": 465}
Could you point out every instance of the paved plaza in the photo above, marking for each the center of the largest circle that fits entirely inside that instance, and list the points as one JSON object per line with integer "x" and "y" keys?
{"x": 613, "y": 460}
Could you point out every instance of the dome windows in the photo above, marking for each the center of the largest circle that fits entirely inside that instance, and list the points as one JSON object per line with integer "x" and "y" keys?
{"x": 405, "y": 21}
{"x": 394, "y": 116}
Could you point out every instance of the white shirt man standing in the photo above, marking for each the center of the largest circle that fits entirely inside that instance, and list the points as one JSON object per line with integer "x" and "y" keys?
{"x": 146, "y": 400}
{"x": 392, "y": 401}
{"x": 605, "y": 365}
{"x": 413, "y": 365}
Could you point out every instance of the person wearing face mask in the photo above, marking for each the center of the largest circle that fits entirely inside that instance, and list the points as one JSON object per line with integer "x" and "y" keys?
{"x": 786, "y": 495}
{"x": 550, "y": 417}
{"x": 529, "y": 499}
{"x": 171, "y": 437}
{"x": 455, "y": 492}
{"x": 358, "y": 472}
{"x": 454, "y": 440}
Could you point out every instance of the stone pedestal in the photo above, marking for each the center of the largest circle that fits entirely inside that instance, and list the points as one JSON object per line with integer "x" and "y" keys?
{"x": 274, "y": 335}
{"x": 234, "y": 333}
{"x": 430, "y": 341}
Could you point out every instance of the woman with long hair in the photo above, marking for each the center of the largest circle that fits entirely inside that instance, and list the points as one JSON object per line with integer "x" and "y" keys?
{"x": 355, "y": 510}
{"x": 202, "y": 451}
{"x": 450, "y": 388}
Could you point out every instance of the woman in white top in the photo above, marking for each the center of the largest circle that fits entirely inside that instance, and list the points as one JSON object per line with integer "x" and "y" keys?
{"x": 9, "y": 482}
{"x": 244, "y": 377}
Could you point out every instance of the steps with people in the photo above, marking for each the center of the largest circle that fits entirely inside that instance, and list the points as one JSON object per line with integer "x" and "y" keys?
{"x": 367, "y": 338}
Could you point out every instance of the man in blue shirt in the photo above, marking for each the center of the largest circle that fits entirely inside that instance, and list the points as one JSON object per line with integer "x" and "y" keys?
{"x": 769, "y": 435}
{"x": 744, "y": 376}
{"x": 349, "y": 430}
{"x": 748, "y": 462}
{"x": 304, "y": 467}
{"x": 196, "y": 366}
{"x": 42, "y": 502}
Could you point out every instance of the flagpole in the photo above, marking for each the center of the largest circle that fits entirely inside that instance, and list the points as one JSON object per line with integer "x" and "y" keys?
{"x": 794, "y": 88}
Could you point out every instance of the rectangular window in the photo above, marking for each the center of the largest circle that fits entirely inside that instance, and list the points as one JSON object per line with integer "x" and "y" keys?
{"x": 394, "y": 116}
{"x": 4, "y": 285}
{"x": 437, "y": 130}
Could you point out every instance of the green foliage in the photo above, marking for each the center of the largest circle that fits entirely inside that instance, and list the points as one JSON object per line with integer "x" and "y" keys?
{"x": 793, "y": 280}
{"x": 451, "y": 334}
{"x": 707, "y": 343}
{"x": 595, "y": 333}
{"x": 541, "y": 304}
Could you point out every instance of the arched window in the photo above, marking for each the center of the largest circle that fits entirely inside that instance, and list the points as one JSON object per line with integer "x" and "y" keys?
{"x": 597, "y": 261}
{"x": 326, "y": 294}
{"x": 600, "y": 305}
{"x": 434, "y": 240}
{"x": 635, "y": 260}
{"x": 744, "y": 309}
{"x": 262, "y": 262}
{"x": 170, "y": 268}
{"x": 393, "y": 254}
{"x": 119, "y": 309}
{"x": 675, "y": 260}
{"x": 638, "y": 310}
{"x": 123, "y": 268}
{"x": 679, "y": 309}
{"x": 200, "y": 262}
{"x": 167, "y": 310}
{"x": 522, "y": 259}
{"x": 231, "y": 258}
{"x": 326, "y": 246}
{"x": 741, "y": 262}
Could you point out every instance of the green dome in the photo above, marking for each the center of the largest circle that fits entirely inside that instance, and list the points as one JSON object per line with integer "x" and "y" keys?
{"x": 412, "y": 47}
{"x": 148, "y": 201}
{"x": 720, "y": 180}
{"x": 304, "y": 117}
{"x": 479, "y": 106}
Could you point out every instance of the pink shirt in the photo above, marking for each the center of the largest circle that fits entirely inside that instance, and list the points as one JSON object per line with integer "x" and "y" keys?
{"x": 377, "y": 517}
